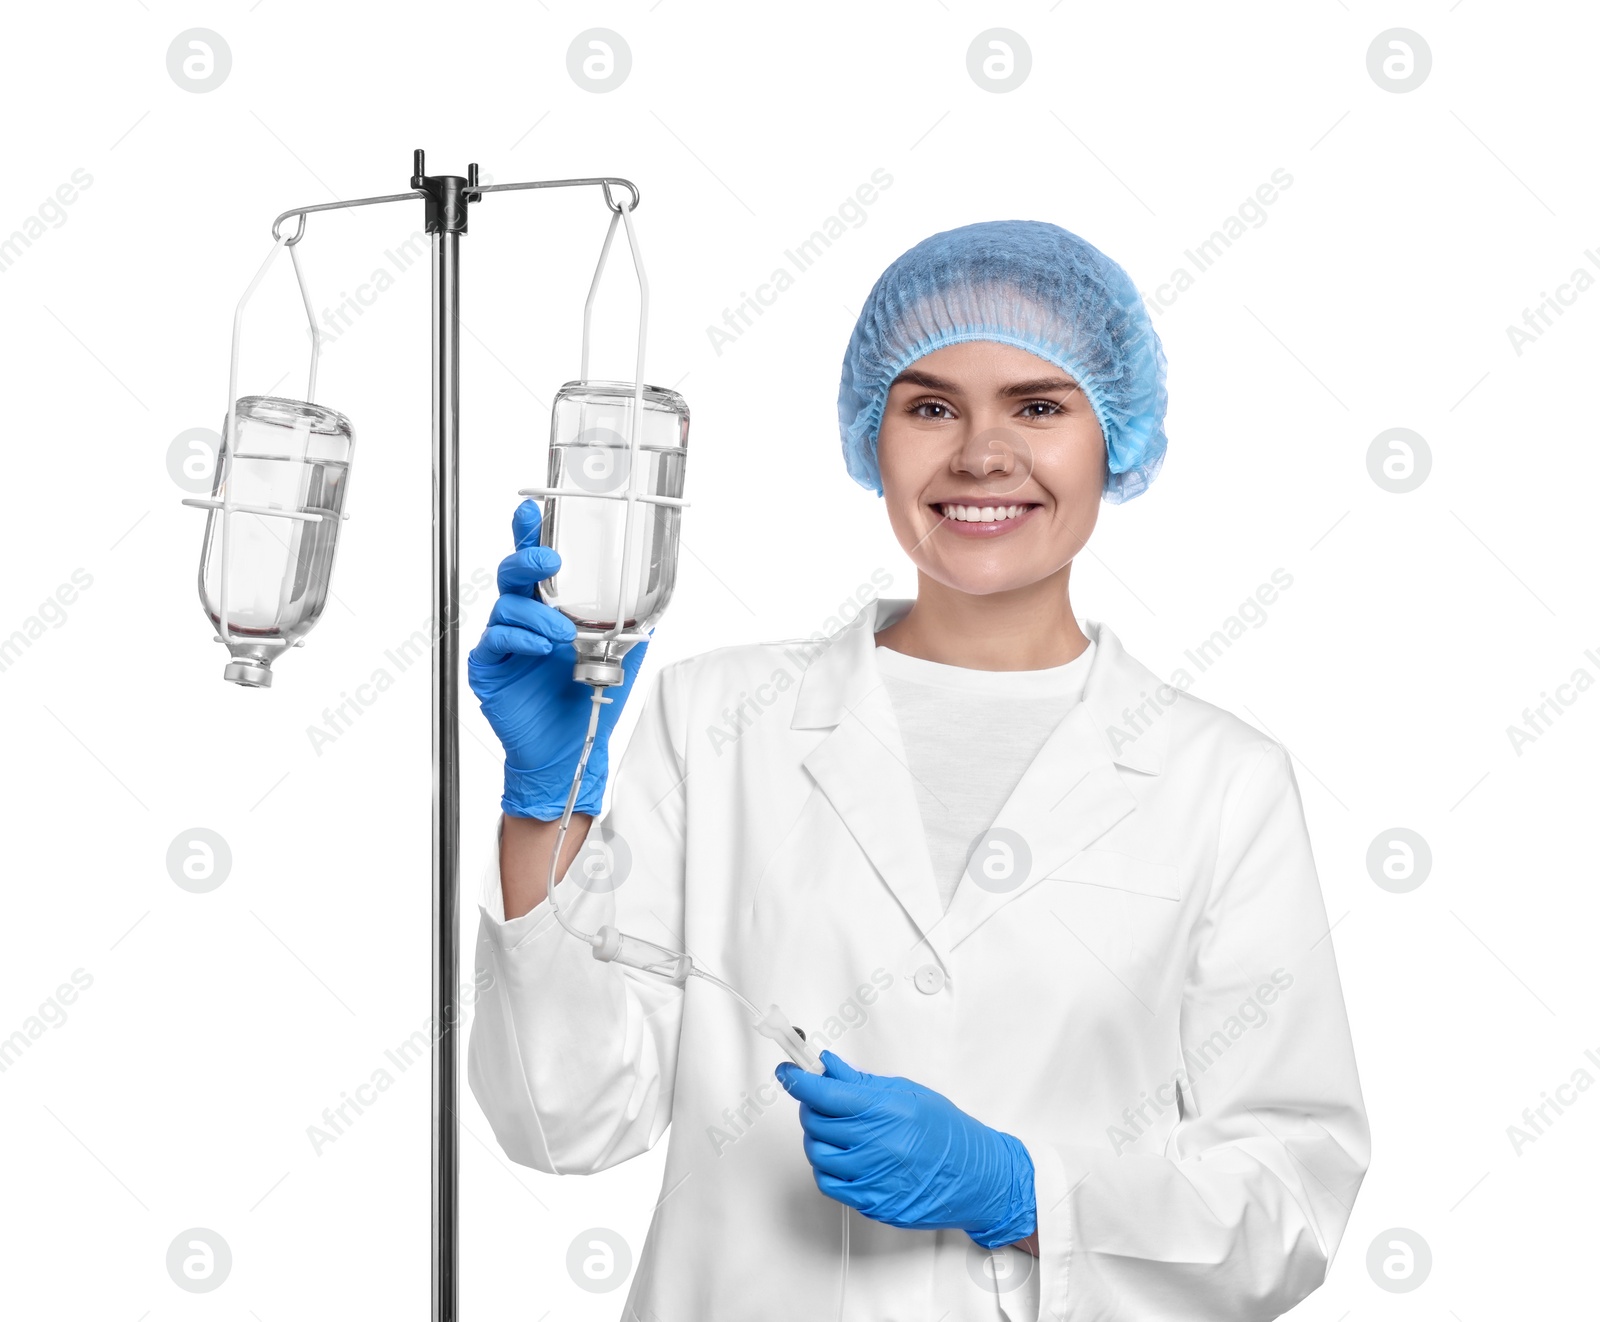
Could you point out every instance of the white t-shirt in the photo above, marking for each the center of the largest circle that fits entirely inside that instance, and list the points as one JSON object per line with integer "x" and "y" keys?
{"x": 969, "y": 736}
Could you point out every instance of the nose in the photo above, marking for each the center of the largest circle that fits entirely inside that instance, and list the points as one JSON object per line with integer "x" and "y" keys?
{"x": 987, "y": 451}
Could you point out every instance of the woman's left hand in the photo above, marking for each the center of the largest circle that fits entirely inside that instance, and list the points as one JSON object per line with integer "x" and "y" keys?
{"x": 905, "y": 1155}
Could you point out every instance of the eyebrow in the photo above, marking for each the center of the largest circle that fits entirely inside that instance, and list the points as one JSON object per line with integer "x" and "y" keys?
{"x": 1037, "y": 386}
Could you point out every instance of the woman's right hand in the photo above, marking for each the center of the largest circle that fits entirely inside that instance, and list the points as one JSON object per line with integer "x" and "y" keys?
{"x": 521, "y": 672}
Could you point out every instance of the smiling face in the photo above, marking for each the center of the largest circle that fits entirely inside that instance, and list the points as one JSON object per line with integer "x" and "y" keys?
{"x": 992, "y": 464}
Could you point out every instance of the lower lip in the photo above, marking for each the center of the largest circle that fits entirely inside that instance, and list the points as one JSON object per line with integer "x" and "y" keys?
{"x": 998, "y": 528}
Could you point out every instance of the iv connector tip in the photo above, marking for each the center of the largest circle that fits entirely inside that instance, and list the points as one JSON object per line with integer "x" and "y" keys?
{"x": 247, "y": 674}
{"x": 604, "y": 673}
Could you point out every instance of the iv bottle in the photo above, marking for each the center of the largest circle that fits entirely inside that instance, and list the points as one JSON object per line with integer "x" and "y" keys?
{"x": 286, "y": 477}
{"x": 600, "y": 584}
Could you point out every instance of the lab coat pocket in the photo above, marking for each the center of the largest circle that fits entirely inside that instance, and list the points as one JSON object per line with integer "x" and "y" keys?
{"x": 1124, "y": 912}
{"x": 1107, "y": 867}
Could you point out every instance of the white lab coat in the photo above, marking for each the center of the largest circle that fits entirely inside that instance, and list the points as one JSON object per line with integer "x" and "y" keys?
{"x": 1150, "y": 1001}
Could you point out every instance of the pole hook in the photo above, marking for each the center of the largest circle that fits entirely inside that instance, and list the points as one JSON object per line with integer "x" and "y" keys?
{"x": 299, "y": 234}
{"x": 605, "y": 187}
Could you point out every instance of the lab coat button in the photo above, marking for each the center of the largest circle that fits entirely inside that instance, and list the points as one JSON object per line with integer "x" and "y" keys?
{"x": 929, "y": 979}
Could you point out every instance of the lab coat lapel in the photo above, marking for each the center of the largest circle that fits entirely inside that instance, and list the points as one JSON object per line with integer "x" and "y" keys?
{"x": 1074, "y": 791}
{"x": 860, "y": 766}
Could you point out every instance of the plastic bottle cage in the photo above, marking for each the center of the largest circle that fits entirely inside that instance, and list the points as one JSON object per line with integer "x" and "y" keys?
{"x": 230, "y": 430}
{"x": 632, "y": 495}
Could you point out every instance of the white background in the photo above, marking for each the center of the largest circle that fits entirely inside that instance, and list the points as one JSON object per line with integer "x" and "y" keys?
{"x": 178, "y": 1090}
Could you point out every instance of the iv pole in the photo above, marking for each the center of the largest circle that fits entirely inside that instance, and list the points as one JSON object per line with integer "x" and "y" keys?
{"x": 448, "y": 197}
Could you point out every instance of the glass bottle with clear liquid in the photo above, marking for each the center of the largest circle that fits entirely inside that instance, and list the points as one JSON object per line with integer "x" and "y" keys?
{"x": 286, "y": 476}
{"x": 611, "y": 591}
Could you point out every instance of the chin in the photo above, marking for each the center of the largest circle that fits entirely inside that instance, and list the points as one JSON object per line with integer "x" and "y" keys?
{"x": 985, "y": 583}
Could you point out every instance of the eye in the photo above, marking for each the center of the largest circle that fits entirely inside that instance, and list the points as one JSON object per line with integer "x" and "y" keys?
{"x": 933, "y": 409}
{"x": 1048, "y": 406}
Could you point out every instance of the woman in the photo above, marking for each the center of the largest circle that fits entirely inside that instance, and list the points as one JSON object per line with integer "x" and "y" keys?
{"x": 1057, "y": 924}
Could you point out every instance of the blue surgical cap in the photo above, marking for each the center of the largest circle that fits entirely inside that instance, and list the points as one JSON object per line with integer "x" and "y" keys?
{"x": 1025, "y": 283}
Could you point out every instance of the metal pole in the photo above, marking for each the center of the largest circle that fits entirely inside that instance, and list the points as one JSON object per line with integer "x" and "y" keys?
{"x": 447, "y": 197}
{"x": 446, "y": 767}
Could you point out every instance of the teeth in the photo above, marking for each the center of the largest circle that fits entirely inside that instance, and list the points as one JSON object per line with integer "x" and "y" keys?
{"x": 981, "y": 513}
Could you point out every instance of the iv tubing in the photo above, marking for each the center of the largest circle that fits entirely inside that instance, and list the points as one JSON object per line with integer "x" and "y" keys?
{"x": 844, "y": 1253}
{"x": 596, "y": 699}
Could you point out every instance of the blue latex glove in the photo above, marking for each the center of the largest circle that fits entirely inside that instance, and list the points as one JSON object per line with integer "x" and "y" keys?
{"x": 903, "y": 1154}
{"x": 521, "y": 671}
